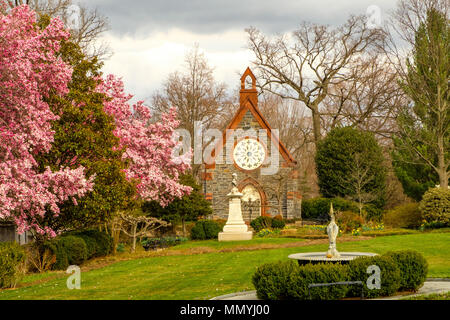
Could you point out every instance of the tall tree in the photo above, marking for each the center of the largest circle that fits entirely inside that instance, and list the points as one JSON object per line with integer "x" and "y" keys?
{"x": 196, "y": 96}
{"x": 424, "y": 124}
{"x": 350, "y": 165}
{"x": 149, "y": 146}
{"x": 304, "y": 64}
{"x": 30, "y": 71}
{"x": 369, "y": 99}
{"x": 84, "y": 135}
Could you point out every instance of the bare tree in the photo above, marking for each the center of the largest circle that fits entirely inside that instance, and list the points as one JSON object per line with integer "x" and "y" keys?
{"x": 369, "y": 99}
{"x": 196, "y": 96}
{"x": 278, "y": 189}
{"x": 357, "y": 181}
{"x": 136, "y": 226}
{"x": 288, "y": 116}
{"x": 304, "y": 64}
{"x": 87, "y": 30}
{"x": 410, "y": 14}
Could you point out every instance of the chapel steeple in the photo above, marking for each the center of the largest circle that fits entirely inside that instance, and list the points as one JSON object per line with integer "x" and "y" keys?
{"x": 246, "y": 90}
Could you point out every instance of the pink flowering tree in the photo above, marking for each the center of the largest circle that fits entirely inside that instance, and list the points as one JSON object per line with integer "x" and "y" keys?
{"x": 150, "y": 147}
{"x": 29, "y": 70}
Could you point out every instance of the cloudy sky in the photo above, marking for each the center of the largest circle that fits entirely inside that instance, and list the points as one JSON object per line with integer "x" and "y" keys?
{"x": 150, "y": 38}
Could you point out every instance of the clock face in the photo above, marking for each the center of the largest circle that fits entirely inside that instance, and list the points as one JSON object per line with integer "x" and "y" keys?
{"x": 249, "y": 154}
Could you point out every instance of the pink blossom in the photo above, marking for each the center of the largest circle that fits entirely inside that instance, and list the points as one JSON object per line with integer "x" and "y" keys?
{"x": 149, "y": 146}
{"x": 29, "y": 69}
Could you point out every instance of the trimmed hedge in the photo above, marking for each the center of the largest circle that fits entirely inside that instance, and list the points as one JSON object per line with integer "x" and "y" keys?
{"x": 390, "y": 276}
{"x": 319, "y": 273}
{"x": 77, "y": 247}
{"x": 413, "y": 268}
{"x": 318, "y": 208}
{"x": 205, "y": 229}
{"x": 278, "y": 223}
{"x": 271, "y": 280}
{"x": 404, "y": 216}
{"x": 101, "y": 245}
{"x": 266, "y": 222}
{"x": 163, "y": 242}
{"x": 262, "y": 222}
{"x": 287, "y": 280}
{"x": 12, "y": 257}
{"x": 435, "y": 206}
{"x": 399, "y": 270}
{"x": 59, "y": 251}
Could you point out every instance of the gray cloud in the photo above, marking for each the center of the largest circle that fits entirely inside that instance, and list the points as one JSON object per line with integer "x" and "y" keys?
{"x": 215, "y": 16}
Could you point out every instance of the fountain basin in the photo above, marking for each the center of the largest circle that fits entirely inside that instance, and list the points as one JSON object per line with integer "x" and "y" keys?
{"x": 320, "y": 257}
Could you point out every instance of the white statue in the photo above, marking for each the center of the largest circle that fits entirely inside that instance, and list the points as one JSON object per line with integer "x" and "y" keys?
{"x": 332, "y": 231}
{"x": 234, "y": 181}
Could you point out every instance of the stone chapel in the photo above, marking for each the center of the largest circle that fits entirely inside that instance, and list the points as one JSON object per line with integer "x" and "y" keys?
{"x": 266, "y": 173}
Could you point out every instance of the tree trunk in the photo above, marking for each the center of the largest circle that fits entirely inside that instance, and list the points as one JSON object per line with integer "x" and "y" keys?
{"x": 442, "y": 169}
{"x": 184, "y": 227}
{"x": 316, "y": 124}
{"x": 133, "y": 248}
{"x": 115, "y": 233}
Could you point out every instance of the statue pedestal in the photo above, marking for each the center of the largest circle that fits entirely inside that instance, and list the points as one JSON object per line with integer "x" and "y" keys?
{"x": 235, "y": 229}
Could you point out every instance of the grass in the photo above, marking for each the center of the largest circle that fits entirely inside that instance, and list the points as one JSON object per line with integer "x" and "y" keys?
{"x": 203, "y": 276}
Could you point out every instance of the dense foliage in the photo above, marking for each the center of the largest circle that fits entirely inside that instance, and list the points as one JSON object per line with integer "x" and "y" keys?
{"x": 404, "y": 216}
{"x": 150, "y": 147}
{"x": 435, "y": 206}
{"x": 350, "y": 165}
{"x": 413, "y": 268}
{"x": 163, "y": 242}
{"x": 319, "y": 208}
{"x": 422, "y": 142}
{"x": 30, "y": 71}
{"x": 77, "y": 247}
{"x": 348, "y": 221}
{"x": 415, "y": 179}
{"x": 266, "y": 222}
{"x": 389, "y": 276}
{"x": 84, "y": 137}
{"x": 399, "y": 270}
{"x": 53, "y": 99}
{"x": 189, "y": 208}
{"x": 12, "y": 258}
{"x": 205, "y": 229}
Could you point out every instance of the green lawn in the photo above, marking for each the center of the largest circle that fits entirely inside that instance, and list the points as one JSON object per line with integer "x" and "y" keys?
{"x": 203, "y": 276}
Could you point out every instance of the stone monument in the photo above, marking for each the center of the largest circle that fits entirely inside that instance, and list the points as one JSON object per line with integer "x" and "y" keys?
{"x": 235, "y": 228}
{"x": 332, "y": 231}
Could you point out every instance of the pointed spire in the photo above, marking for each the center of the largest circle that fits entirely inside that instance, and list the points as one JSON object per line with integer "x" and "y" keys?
{"x": 248, "y": 93}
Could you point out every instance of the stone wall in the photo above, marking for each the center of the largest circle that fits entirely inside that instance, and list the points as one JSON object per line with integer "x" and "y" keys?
{"x": 280, "y": 190}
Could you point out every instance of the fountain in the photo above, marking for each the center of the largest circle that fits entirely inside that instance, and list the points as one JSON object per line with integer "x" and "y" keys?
{"x": 332, "y": 255}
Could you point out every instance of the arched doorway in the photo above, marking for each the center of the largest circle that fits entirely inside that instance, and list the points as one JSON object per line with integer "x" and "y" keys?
{"x": 251, "y": 203}
{"x": 253, "y": 199}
